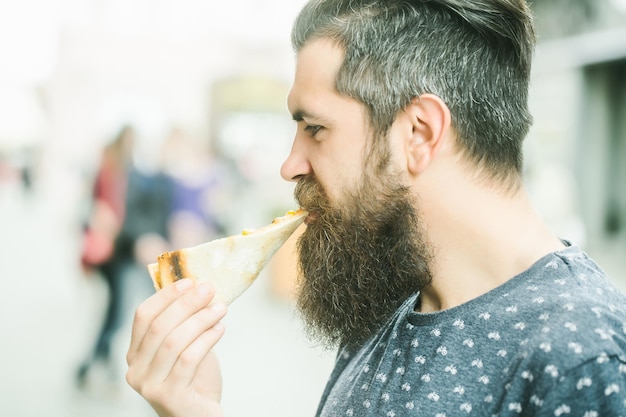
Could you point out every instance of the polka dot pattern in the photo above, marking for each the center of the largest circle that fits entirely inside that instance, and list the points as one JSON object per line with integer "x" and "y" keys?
{"x": 549, "y": 342}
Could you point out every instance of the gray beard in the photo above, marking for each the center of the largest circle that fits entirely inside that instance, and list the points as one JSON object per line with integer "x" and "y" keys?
{"x": 360, "y": 262}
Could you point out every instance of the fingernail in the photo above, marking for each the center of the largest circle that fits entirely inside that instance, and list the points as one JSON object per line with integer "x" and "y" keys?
{"x": 204, "y": 288}
{"x": 184, "y": 284}
{"x": 219, "y": 307}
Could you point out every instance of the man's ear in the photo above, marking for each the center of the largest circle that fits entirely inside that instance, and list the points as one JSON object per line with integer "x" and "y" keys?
{"x": 430, "y": 120}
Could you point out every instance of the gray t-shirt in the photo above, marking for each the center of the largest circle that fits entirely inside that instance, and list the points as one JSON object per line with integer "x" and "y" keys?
{"x": 549, "y": 342}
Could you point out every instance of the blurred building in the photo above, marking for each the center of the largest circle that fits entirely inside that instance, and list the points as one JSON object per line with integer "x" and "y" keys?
{"x": 82, "y": 68}
{"x": 576, "y": 152}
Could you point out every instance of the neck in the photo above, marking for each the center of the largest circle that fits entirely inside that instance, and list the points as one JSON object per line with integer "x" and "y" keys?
{"x": 480, "y": 239}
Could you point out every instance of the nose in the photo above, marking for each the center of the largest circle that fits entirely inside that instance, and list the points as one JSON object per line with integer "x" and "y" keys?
{"x": 297, "y": 164}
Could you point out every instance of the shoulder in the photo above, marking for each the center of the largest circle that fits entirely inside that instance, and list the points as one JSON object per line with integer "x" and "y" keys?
{"x": 576, "y": 326}
{"x": 569, "y": 288}
{"x": 581, "y": 314}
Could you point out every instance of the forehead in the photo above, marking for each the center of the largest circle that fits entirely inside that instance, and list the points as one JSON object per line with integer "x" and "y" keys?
{"x": 317, "y": 66}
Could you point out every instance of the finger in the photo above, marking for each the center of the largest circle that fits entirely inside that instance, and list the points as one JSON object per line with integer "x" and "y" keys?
{"x": 208, "y": 377}
{"x": 182, "y": 337}
{"x": 192, "y": 358}
{"x": 151, "y": 308}
{"x": 176, "y": 313}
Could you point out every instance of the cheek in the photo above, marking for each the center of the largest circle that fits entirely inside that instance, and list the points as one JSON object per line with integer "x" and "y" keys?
{"x": 338, "y": 169}
{"x": 339, "y": 188}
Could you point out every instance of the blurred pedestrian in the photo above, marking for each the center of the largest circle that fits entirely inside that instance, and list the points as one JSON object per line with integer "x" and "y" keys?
{"x": 107, "y": 200}
{"x": 128, "y": 229}
{"x": 107, "y": 210}
{"x": 196, "y": 179}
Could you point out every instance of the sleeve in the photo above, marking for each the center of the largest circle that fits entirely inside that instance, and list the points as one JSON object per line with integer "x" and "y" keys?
{"x": 596, "y": 388}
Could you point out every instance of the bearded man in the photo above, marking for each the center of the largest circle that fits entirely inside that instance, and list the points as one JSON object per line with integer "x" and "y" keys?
{"x": 423, "y": 260}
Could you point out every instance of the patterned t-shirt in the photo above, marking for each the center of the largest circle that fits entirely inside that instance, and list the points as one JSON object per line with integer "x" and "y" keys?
{"x": 549, "y": 342}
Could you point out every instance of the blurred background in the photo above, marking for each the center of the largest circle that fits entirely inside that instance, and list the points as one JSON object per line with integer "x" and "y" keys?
{"x": 181, "y": 105}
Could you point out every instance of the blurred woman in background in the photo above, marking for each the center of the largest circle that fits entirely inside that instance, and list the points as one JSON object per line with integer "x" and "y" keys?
{"x": 106, "y": 216}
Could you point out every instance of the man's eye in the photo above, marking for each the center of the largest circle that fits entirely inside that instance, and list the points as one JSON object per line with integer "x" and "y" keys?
{"x": 312, "y": 129}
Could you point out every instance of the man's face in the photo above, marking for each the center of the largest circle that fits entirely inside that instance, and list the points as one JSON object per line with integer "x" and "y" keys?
{"x": 362, "y": 253}
{"x": 329, "y": 141}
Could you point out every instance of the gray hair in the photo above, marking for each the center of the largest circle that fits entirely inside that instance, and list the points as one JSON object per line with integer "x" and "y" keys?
{"x": 474, "y": 54}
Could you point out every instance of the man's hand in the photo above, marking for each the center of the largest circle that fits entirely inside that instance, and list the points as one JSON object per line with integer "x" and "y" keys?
{"x": 170, "y": 358}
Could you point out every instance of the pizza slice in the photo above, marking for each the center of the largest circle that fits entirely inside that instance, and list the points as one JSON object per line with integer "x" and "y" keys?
{"x": 232, "y": 263}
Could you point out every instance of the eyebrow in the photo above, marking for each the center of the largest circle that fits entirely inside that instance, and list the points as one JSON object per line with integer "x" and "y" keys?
{"x": 300, "y": 114}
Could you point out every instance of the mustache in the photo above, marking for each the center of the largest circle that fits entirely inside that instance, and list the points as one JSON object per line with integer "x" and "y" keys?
{"x": 310, "y": 196}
